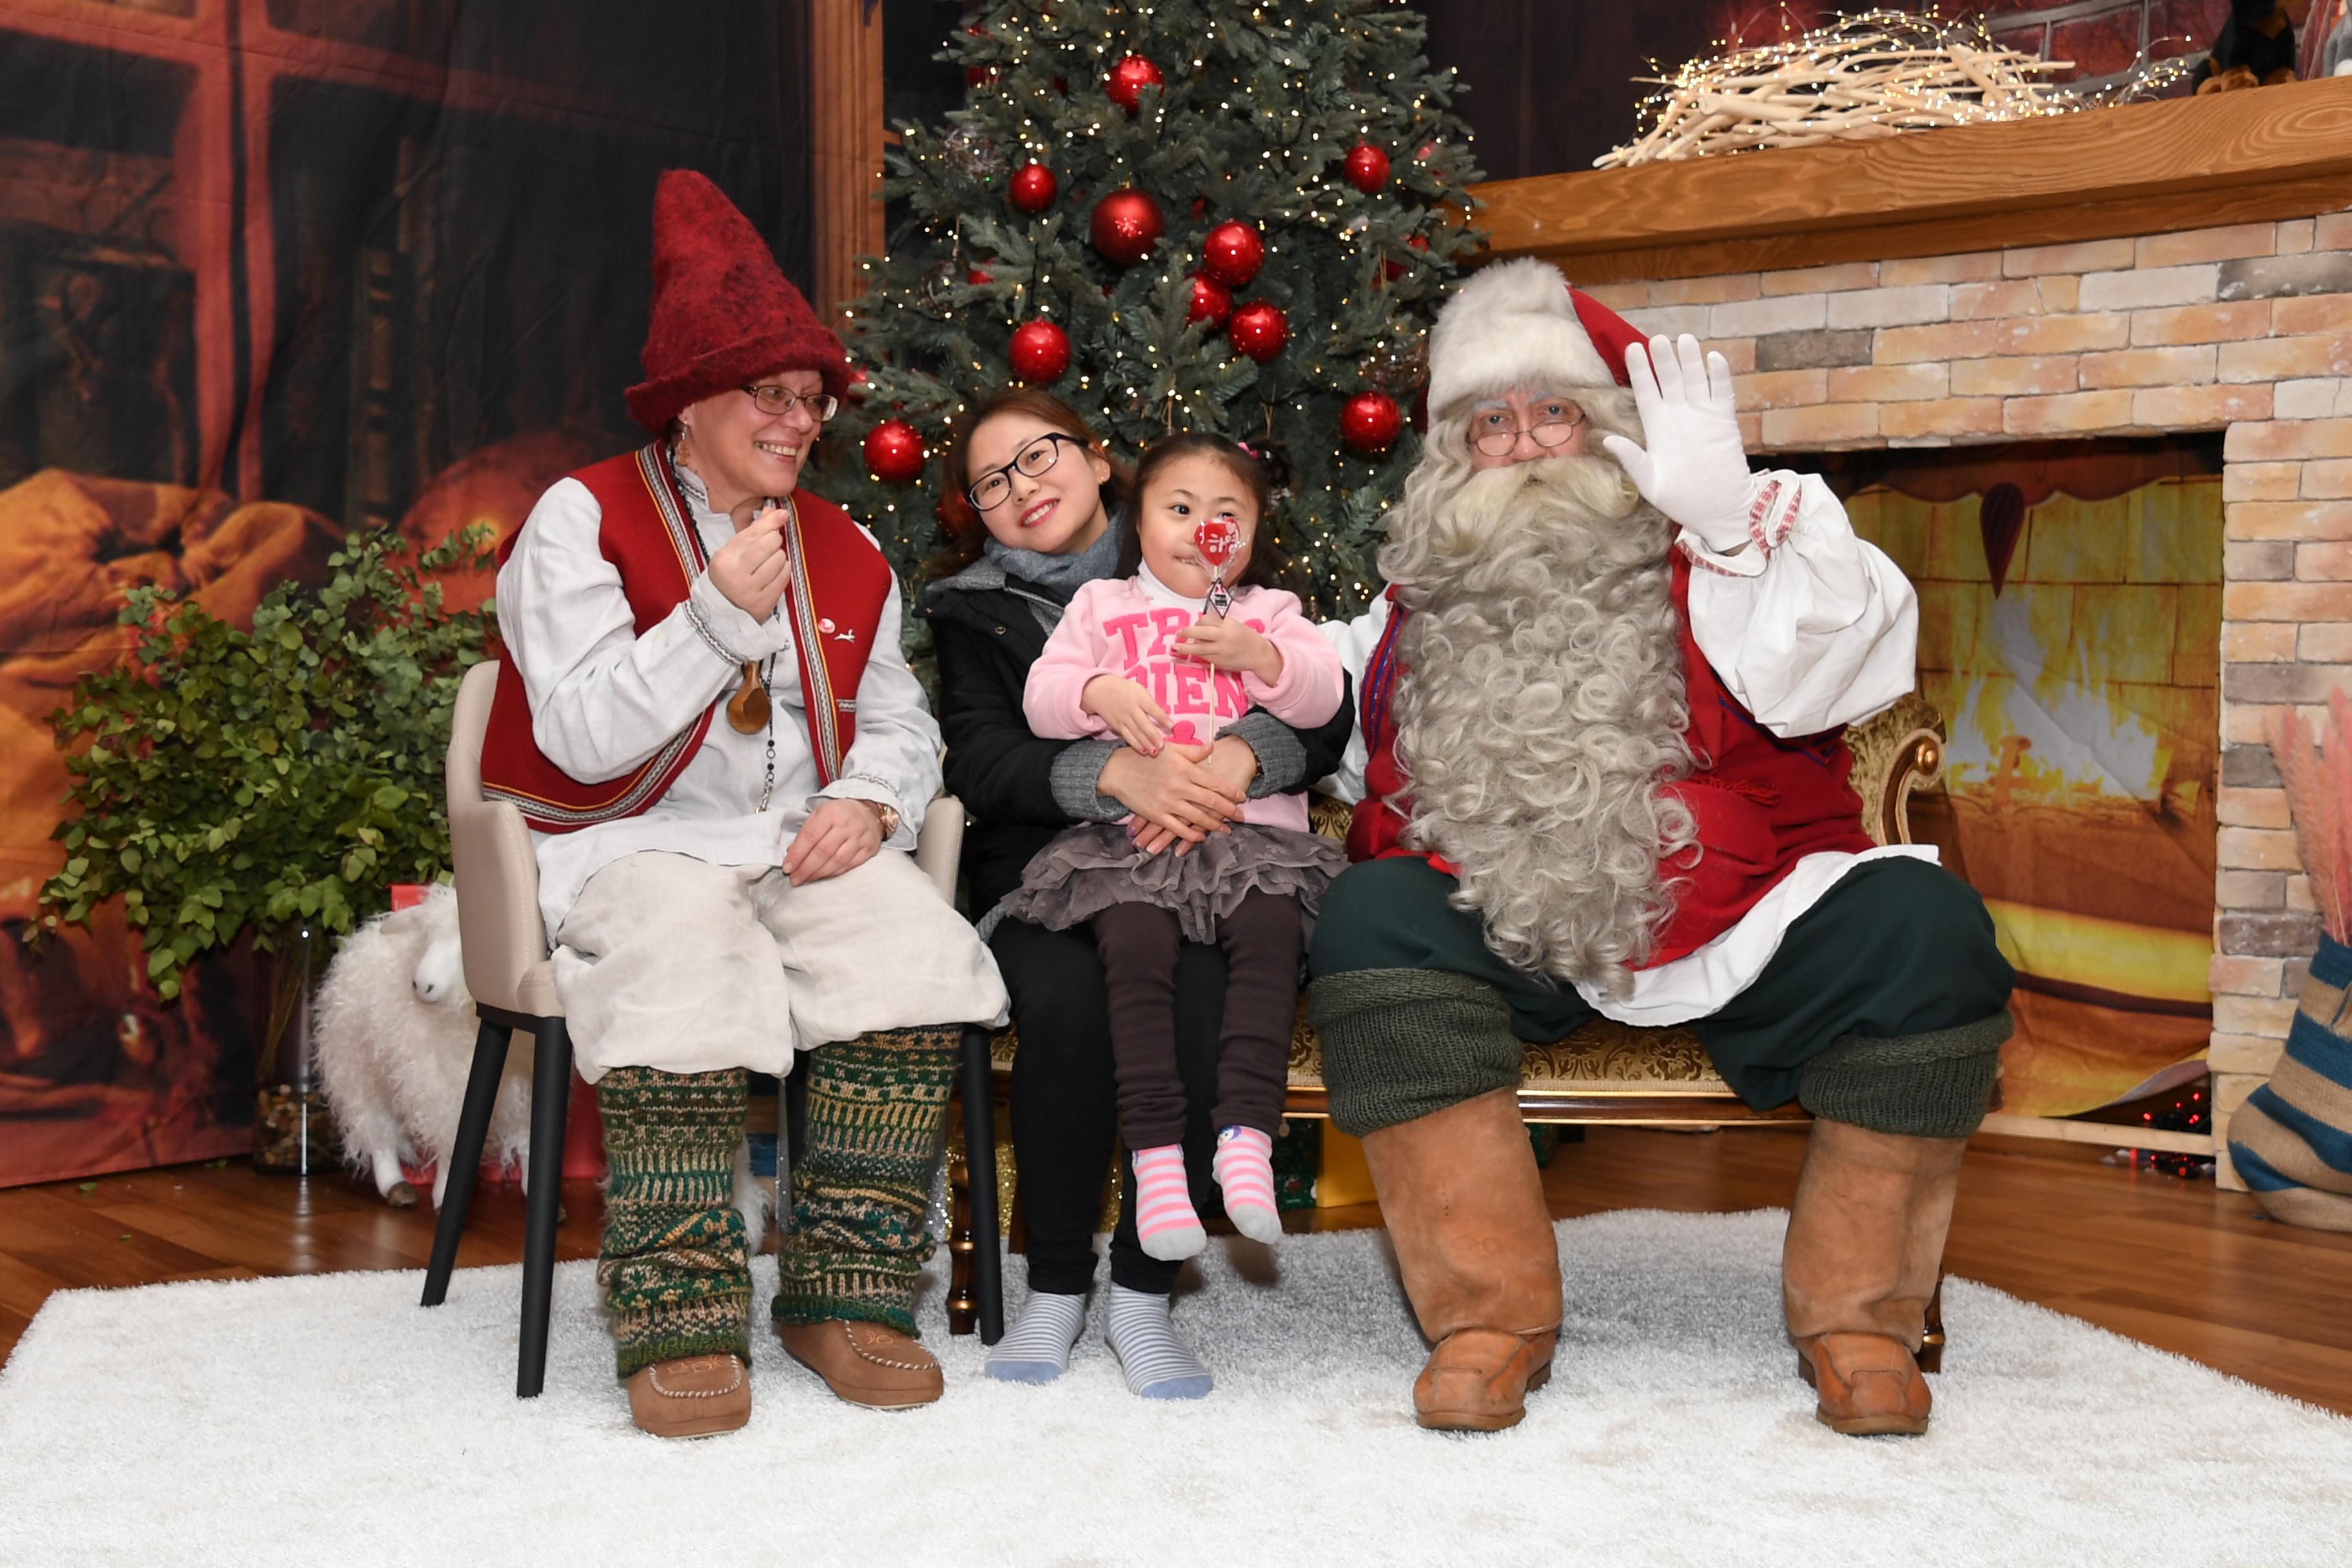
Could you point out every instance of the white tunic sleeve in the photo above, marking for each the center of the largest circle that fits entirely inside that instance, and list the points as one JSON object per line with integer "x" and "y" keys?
{"x": 1355, "y": 640}
{"x": 895, "y": 761}
{"x": 1808, "y": 626}
{"x": 602, "y": 698}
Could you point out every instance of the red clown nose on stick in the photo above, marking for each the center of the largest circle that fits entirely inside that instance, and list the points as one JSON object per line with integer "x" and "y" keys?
{"x": 1217, "y": 538}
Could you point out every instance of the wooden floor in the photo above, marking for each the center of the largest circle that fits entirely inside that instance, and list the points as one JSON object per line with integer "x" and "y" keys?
{"x": 2174, "y": 1264}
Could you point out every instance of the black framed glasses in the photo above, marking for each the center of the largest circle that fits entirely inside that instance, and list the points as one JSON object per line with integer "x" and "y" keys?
{"x": 783, "y": 400}
{"x": 1555, "y": 421}
{"x": 1034, "y": 460}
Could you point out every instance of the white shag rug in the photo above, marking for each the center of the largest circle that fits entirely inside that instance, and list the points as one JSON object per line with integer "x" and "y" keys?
{"x": 330, "y": 1420}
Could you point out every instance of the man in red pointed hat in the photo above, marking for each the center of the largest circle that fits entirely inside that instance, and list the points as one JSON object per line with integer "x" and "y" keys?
{"x": 1601, "y": 770}
{"x": 705, "y": 717}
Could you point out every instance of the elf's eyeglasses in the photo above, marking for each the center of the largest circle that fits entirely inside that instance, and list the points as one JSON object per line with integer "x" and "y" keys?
{"x": 783, "y": 400}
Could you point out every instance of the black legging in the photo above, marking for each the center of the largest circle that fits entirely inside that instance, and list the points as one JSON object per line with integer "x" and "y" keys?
{"x": 1066, "y": 1101}
{"x": 1138, "y": 945}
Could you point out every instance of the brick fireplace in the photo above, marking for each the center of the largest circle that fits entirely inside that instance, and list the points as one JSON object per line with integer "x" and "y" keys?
{"x": 2224, "y": 306}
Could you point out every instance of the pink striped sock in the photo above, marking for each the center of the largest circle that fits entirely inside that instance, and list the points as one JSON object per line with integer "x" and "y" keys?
{"x": 1245, "y": 1167}
{"x": 1164, "y": 1221}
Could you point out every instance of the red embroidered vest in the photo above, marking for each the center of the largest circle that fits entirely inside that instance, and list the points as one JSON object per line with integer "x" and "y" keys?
{"x": 838, "y": 586}
{"x": 1760, "y": 803}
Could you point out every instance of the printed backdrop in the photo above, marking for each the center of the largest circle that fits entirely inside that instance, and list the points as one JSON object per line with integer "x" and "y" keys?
{"x": 2070, "y": 610}
{"x": 272, "y": 270}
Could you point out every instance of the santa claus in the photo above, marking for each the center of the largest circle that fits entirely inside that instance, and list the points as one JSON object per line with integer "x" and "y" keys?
{"x": 1599, "y": 768}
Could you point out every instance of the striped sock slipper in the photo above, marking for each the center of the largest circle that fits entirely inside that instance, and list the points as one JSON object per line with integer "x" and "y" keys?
{"x": 1036, "y": 1348}
{"x": 1155, "y": 1361}
{"x": 1245, "y": 1167}
{"x": 1164, "y": 1221}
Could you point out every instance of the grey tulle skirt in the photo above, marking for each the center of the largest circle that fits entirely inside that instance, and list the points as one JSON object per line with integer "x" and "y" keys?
{"x": 1088, "y": 870}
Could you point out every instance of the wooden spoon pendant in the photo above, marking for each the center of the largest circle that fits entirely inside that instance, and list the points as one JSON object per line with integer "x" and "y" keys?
{"x": 748, "y": 709}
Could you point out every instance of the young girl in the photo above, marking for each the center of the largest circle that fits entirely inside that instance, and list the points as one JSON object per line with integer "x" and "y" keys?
{"x": 1139, "y": 659}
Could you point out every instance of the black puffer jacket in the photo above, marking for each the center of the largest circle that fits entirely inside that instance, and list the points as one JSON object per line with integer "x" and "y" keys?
{"x": 1021, "y": 791}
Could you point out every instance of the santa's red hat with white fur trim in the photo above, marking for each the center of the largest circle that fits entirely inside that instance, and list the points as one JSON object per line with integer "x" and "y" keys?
{"x": 1518, "y": 324}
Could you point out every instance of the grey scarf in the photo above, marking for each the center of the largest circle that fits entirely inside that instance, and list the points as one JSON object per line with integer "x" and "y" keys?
{"x": 1057, "y": 577}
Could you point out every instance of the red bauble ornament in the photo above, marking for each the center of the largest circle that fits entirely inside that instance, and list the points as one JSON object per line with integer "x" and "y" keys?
{"x": 1233, "y": 252}
{"x": 1259, "y": 330}
{"x": 1126, "y": 223}
{"x": 1033, "y": 187}
{"x": 977, "y": 277}
{"x": 1396, "y": 268}
{"x": 979, "y": 76}
{"x": 894, "y": 452}
{"x": 1040, "y": 351}
{"x": 1212, "y": 302}
{"x": 1129, "y": 78}
{"x": 1370, "y": 422}
{"x": 1367, "y": 167}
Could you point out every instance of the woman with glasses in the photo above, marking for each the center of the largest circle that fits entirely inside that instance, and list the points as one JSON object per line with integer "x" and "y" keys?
{"x": 705, "y": 717}
{"x": 1035, "y": 509}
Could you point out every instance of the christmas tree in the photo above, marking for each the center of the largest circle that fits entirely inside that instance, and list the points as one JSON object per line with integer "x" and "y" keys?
{"x": 1188, "y": 215}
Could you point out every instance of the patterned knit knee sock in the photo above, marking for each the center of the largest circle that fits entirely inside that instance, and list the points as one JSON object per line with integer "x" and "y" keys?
{"x": 1165, "y": 1221}
{"x": 861, "y": 1190}
{"x": 1036, "y": 1348}
{"x": 675, "y": 1273}
{"x": 1155, "y": 1361}
{"x": 1244, "y": 1168}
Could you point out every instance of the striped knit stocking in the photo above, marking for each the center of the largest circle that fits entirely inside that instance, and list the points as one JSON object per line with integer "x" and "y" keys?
{"x": 1245, "y": 1166}
{"x": 1165, "y": 1223}
{"x": 676, "y": 1275}
{"x": 861, "y": 1190}
{"x": 1155, "y": 1361}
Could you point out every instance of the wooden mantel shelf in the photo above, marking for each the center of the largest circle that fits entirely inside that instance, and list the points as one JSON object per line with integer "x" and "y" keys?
{"x": 2192, "y": 163}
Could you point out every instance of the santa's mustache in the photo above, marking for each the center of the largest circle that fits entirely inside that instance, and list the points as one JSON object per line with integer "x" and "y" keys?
{"x": 1576, "y": 503}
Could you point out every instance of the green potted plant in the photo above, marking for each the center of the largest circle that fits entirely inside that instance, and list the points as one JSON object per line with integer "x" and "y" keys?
{"x": 272, "y": 783}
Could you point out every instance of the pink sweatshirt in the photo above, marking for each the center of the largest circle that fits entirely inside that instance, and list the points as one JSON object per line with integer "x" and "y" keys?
{"x": 1124, "y": 626}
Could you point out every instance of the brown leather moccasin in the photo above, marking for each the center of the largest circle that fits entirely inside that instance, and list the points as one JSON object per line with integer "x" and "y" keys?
{"x": 698, "y": 1397}
{"x": 1869, "y": 1384}
{"x": 865, "y": 1364}
{"x": 1478, "y": 1380}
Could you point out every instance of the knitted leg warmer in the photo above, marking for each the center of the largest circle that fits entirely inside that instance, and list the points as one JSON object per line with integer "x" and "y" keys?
{"x": 673, "y": 1267}
{"x": 861, "y": 1190}
{"x": 1401, "y": 1044}
{"x": 1936, "y": 1085}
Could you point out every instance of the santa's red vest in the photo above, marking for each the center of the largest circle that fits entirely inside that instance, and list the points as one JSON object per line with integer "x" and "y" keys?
{"x": 839, "y": 583}
{"x": 1761, "y": 803}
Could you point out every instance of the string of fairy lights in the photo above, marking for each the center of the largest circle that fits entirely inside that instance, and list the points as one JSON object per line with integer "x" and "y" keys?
{"x": 1870, "y": 73}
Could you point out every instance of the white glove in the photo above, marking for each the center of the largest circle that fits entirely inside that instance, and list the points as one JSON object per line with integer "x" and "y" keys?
{"x": 1695, "y": 470}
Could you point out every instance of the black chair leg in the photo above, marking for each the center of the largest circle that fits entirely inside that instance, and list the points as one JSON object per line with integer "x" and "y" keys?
{"x": 978, "y": 1091}
{"x": 465, "y": 1157}
{"x": 551, "y": 1103}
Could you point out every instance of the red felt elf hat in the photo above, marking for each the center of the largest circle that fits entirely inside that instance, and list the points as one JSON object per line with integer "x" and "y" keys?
{"x": 724, "y": 314}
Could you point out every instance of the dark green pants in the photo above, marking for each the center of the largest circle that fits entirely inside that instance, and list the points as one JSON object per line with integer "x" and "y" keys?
{"x": 1897, "y": 948}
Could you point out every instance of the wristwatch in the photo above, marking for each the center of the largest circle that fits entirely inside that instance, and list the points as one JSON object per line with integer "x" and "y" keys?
{"x": 887, "y": 816}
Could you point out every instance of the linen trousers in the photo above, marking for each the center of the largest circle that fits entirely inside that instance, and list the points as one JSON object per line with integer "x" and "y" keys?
{"x": 671, "y": 963}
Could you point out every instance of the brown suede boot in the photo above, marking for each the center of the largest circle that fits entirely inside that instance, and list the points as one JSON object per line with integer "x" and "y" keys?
{"x": 1464, "y": 1208}
{"x": 696, "y": 1396}
{"x": 1861, "y": 1269}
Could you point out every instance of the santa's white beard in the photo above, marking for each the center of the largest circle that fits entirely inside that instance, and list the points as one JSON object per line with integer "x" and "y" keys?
{"x": 1541, "y": 706}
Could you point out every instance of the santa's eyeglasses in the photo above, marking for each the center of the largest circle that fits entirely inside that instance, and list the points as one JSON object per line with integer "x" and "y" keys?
{"x": 1550, "y": 423}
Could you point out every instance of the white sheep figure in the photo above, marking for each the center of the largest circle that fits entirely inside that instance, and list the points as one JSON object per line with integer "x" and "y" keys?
{"x": 394, "y": 1025}
{"x": 394, "y": 1028}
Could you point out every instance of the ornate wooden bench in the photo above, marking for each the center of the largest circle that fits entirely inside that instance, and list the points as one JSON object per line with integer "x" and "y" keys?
{"x": 1604, "y": 1072}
